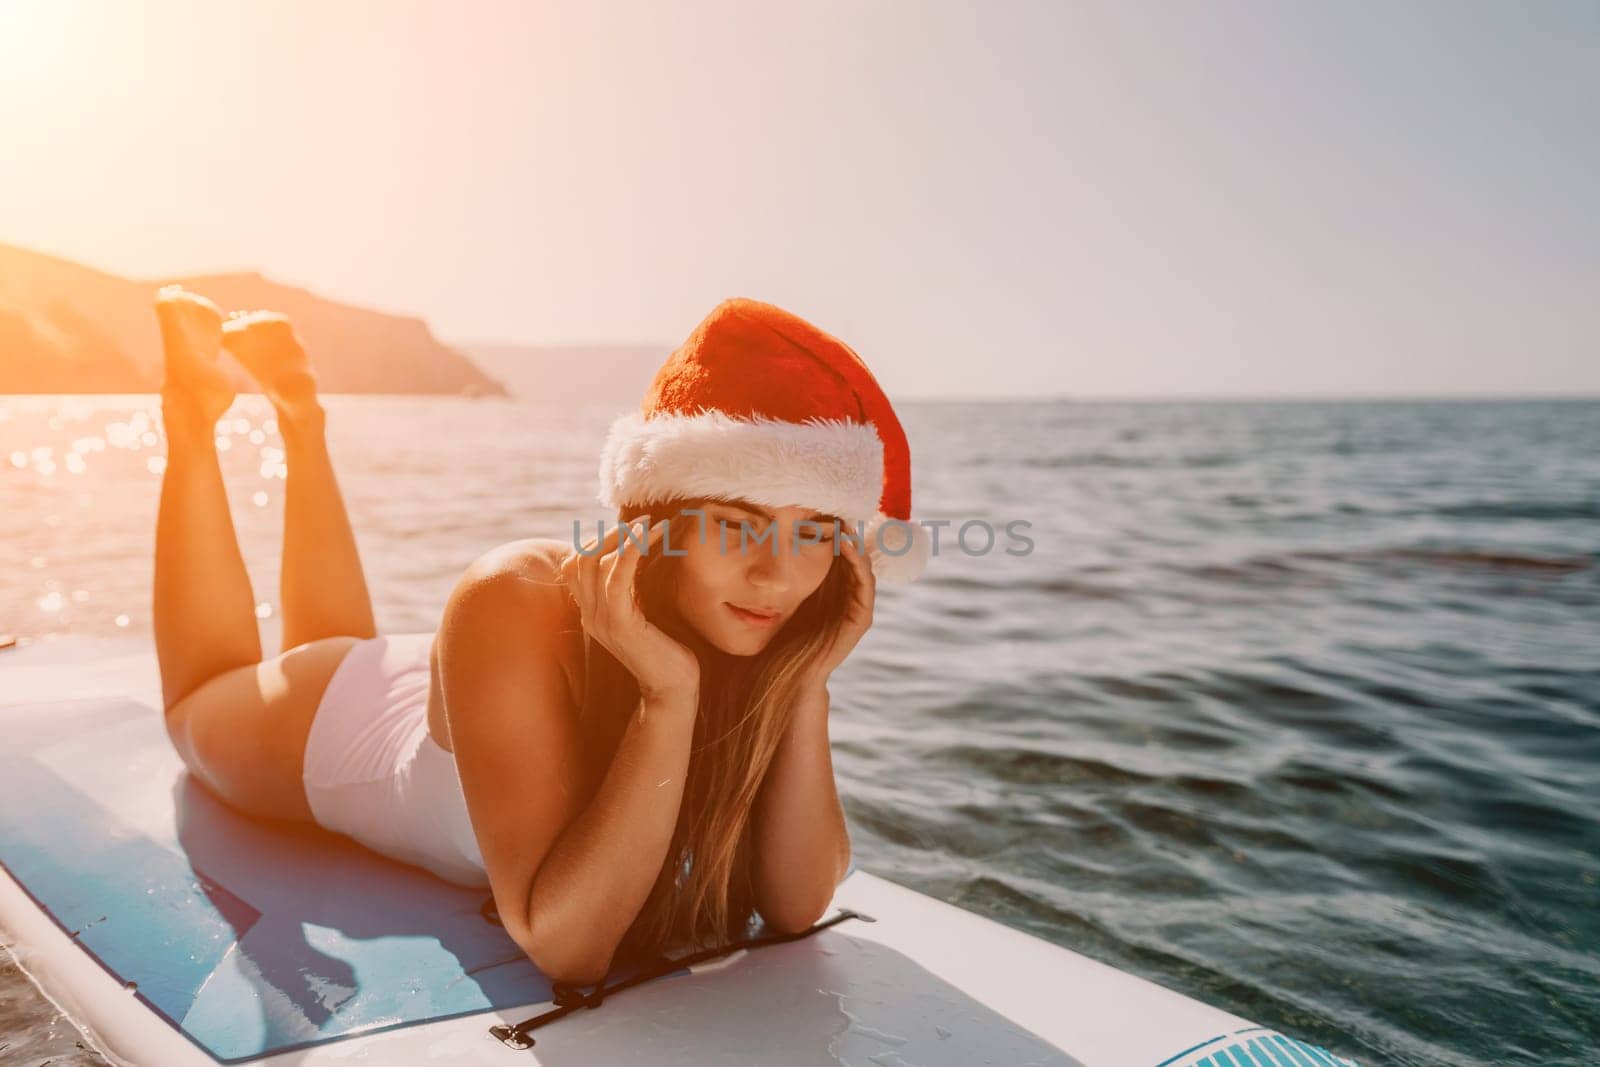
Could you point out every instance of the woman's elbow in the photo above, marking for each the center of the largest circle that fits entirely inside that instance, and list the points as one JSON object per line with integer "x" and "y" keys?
{"x": 790, "y": 919}
{"x": 580, "y": 972}
{"x": 793, "y": 909}
{"x": 570, "y": 964}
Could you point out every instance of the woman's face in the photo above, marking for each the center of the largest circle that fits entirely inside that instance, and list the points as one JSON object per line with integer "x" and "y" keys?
{"x": 748, "y": 556}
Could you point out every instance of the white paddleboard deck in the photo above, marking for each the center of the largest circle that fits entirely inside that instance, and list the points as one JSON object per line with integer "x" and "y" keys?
{"x": 177, "y": 932}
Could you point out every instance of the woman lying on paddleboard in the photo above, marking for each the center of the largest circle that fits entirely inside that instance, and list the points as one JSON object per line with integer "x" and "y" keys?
{"x": 625, "y": 742}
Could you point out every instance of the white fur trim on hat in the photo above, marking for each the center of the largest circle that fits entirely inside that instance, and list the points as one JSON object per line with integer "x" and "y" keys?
{"x": 832, "y": 465}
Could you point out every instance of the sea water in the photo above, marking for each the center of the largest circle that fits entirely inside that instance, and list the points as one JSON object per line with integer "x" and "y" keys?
{"x": 1293, "y": 707}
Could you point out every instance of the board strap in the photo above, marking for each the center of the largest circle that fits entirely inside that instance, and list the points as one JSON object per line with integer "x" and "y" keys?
{"x": 569, "y": 998}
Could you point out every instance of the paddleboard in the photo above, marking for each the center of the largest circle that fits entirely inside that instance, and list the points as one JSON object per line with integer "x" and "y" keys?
{"x": 177, "y": 932}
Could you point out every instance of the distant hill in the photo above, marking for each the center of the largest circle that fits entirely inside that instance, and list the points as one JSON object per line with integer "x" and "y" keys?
{"x": 568, "y": 375}
{"x": 67, "y": 328}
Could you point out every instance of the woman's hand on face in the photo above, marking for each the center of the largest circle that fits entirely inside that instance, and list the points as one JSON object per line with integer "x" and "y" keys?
{"x": 857, "y": 617}
{"x": 603, "y": 583}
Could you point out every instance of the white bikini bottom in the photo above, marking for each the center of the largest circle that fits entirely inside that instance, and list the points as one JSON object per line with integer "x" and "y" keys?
{"x": 373, "y": 772}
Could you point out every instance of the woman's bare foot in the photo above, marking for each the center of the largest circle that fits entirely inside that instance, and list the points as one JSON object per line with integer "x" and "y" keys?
{"x": 194, "y": 382}
{"x": 266, "y": 344}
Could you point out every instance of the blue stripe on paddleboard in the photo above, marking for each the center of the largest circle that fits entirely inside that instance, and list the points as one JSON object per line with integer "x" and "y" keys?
{"x": 1299, "y": 1051}
{"x": 1191, "y": 1050}
{"x": 1261, "y": 1049}
{"x": 1267, "y": 1049}
{"x": 1264, "y": 1051}
{"x": 1291, "y": 1048}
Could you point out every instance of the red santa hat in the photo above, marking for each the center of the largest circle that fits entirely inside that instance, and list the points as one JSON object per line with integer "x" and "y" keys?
{"x": 761, "y": 405}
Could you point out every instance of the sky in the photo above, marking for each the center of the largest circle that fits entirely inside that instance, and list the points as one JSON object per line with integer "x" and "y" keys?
{"x": 983, "y": 199}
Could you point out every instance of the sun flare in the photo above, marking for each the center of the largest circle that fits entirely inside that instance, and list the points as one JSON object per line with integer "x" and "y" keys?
{"x": 33, "y": 39}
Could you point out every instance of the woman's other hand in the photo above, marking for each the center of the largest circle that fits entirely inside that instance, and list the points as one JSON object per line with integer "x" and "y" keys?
{"x": 857, "y": 618}
{"x": 602, "y": 580}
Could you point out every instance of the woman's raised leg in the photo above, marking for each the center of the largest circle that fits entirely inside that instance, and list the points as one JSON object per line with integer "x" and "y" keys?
{"x": 203, "y": 610}
{"x": 322, "y": 589}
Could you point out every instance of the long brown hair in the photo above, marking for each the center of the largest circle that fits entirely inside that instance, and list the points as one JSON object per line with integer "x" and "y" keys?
{"x": 704, "y": 894}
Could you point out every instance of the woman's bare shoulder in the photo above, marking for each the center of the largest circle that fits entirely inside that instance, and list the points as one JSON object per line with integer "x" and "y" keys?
{"x": 535, "y": 560}
{"x": 532, "y": 567}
